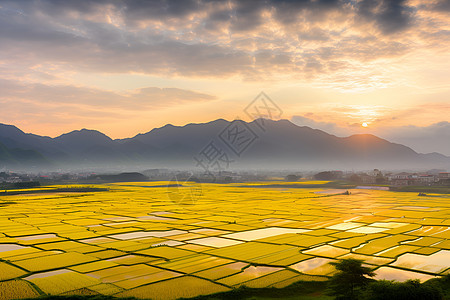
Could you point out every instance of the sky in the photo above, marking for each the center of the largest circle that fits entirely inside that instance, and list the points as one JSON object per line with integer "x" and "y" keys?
{"x": 125, "y": 67}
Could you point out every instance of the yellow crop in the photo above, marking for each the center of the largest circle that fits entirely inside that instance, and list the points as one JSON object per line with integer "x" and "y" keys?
{"x": 9, "y": 272}
{"x": 105, "y": 289}
{"x": 107, "y": 242}
{"x": 270, "y": 279}
{"x": 16, "y": 289}
{"x": 62, "y": 283}
{"x": 175, "y": 288}
{"x": 248, "y": 274}
{"x": 55, "y": 261}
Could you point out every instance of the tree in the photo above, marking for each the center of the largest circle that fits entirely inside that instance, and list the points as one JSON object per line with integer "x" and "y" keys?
{"x": 326, "y": 175}
{"x": 350, "y": 278}
{"x": 379, "y": 178}
{"x": 355, "y": 178}
{"x": 293, "y": 177}
{"x": 408, "y": 290}
{"x": 27, "y": 184}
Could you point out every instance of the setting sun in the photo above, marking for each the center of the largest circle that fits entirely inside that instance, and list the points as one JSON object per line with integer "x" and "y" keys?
{"x": 364, "y": 125}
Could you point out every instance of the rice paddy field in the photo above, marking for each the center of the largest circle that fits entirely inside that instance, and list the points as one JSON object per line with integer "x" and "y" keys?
{"x": 146, "y": 240}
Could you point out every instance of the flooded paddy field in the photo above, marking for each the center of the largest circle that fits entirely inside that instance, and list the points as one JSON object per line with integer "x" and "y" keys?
{"x": 129, "y": 240}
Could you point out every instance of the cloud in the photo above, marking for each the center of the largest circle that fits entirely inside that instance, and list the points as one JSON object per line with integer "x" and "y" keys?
{"x": 328, "y": 127}
{"x": 135, "y": 100}
{"x": 422, "y": 139}
{"x": 427, "y": 139}
{"x": 206, "y": 38}
{"x": 46, "y": 46}
{"x": 54, "y": 109}
{"x": 389, "y": 15}
{"x": 437, "y": 5}
{"x": 138, "y": 9}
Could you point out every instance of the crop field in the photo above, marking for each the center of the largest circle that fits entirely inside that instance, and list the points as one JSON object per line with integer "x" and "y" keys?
{"x": 145, "y": 240}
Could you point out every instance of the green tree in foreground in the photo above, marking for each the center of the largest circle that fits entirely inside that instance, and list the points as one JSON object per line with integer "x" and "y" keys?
{"x": 351, "y": 277}
{"x": 441, "y": 284}
{"x": 408, "y": 290}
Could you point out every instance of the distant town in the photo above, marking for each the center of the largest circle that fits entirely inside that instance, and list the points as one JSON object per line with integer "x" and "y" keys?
{"x": 433, "y": 177}
{"x": 374, "y": 177}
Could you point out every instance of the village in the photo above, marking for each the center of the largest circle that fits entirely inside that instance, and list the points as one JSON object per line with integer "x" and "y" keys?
{"x": 373, "y": 177}
{"x": 404, "y": 178}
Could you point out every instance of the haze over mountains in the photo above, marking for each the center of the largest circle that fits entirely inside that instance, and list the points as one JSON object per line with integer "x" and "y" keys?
{"x": 276, "y": 145}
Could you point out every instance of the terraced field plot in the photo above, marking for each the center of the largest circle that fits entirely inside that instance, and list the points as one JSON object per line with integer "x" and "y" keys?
{"x": 134, "y": 241}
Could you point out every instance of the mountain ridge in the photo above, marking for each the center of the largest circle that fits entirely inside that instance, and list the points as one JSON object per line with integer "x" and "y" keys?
{"x": 278, "y": 144}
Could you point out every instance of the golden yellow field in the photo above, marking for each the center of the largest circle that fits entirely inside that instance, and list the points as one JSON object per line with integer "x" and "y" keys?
{"x": 144, "y": 239}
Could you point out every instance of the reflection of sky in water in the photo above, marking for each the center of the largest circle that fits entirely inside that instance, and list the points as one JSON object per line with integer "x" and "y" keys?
{"x": 326, "y": 250}
{"x": 263, "y": 233}
{"x": 119, "y": 219}
{"x": 388, "y": 273}
{"x": 430, "y": 230}
{"x": 10, "y": 247}
{"x": 156, "y": 218}
{"x": 367, "y": 229}
{"x": 414, "y": 208}
{"x": 388, "y": 224}
{"x": 259, "y": 271}
{"x": 37, "y": 237}
{"x": 215, "y": 242}
{"x": 314, "y": 266}
{"x": 346, "y": 226}
{"x": 48, "y": 274}
{"x": 373, "y": 260}
{"x": 435, "y": 263}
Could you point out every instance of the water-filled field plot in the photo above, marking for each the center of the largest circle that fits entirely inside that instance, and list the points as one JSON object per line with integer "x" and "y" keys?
{"x": 133, "y": 240}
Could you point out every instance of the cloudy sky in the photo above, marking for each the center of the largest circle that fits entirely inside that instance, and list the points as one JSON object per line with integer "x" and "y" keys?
{"x": 124, "y": 67}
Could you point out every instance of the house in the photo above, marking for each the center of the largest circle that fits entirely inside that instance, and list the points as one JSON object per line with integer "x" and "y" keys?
{"x": 426, "y": 179}
{"x": 375, "y": 173}
{"x": 367, "y": 179}
{"x": 444, "y": 178}
{"x": 444, "y": 175}
{"x": 404, "y": 179}
{"x": 402, "y": 175}
{"x": 402, "y": 182}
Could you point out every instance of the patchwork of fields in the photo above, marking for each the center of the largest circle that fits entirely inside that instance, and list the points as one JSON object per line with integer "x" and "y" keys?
{"x": 136, "y": 240}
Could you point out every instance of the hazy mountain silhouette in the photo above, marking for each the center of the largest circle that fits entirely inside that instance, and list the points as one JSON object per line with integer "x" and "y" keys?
{"x": 22, "y": 158}
{"x": 277, "y": 144}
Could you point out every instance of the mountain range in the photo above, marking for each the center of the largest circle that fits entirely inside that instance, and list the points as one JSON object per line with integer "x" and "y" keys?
{"x": 260, "y": 144}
